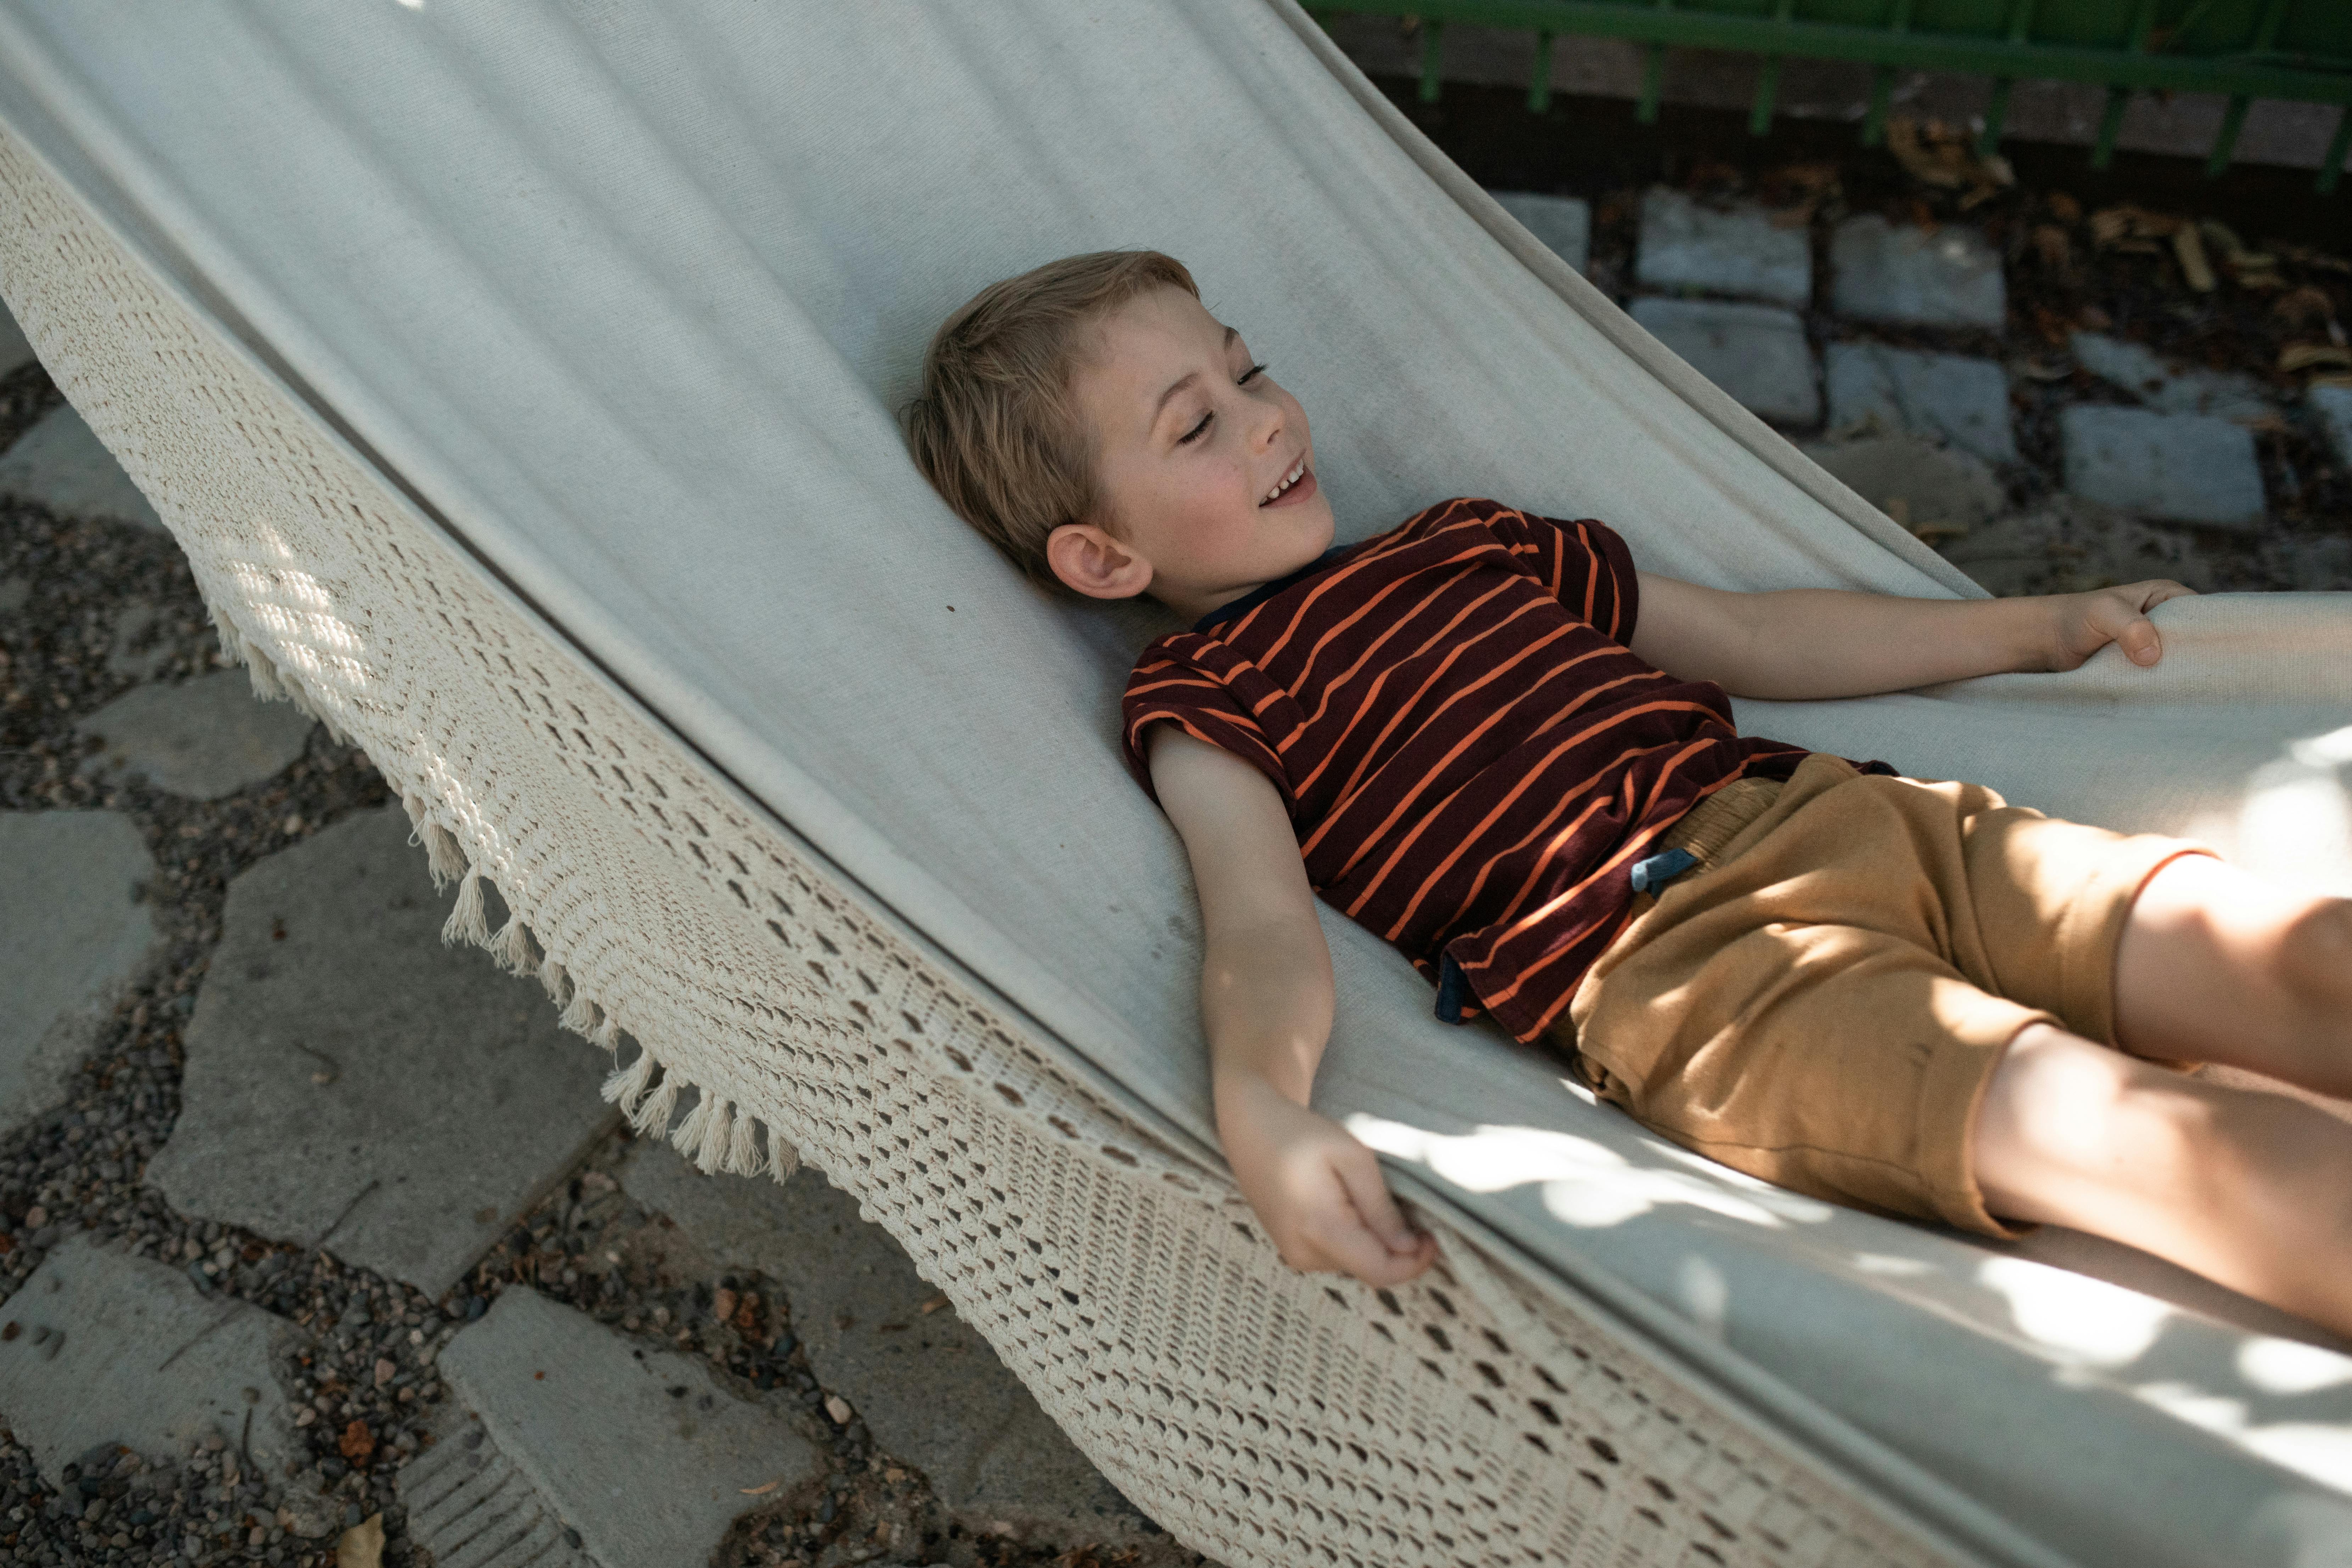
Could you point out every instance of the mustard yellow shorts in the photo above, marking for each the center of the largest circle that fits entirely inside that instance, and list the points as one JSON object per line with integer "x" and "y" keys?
{"x": 1823, "y": 1000}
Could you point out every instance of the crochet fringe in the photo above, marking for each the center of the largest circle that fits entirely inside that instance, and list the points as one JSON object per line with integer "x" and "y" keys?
{"x": 743, "y": 1147}
{"x": 442, "y": 855}
{"x": 513, "y": 948}
{"x": 624, "y": 1086}
{"x": 467, "y": 921}
{"x": 718, "y": 1136}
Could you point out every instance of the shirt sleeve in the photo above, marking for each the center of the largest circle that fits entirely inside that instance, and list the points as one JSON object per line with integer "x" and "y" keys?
{"x": 1167, "y": 687}
{"x": 1583, "y": 563}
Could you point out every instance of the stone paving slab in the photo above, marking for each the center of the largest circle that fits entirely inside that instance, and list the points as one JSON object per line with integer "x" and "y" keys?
{"x": 205, "y": 739}
{"x": 1947, "y": 277}
{"x": 2183, "y": 467}
{"x": 100, "y": 1347}
{"x": 2169, "y": 385}
{"x": 471, "y": 1508}
{"x": 62, "y": 463}
{"x": 1563, "y": 223}
{"x": 1756, "y": 352}
{"x": 76, "y": 934}
{"x": 2334, "y": 406}
{"x": 638, "y": 1451}
{"x": 1947, "y": 398}
{"x": 1919, "y": 485}
{"x": 1735, "y": 250}
{"x": 353, "y": 1084}
{"x": 929, "y": 1387}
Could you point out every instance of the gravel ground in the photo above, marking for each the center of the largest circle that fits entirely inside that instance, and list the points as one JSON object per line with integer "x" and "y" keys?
{"x": 101, "y": 594}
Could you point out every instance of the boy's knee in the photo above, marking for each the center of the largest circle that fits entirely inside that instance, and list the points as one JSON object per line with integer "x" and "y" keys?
{"x": 2314, "y": 963}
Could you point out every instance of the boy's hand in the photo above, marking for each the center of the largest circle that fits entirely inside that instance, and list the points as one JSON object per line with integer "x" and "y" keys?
{"x": 2089, "y": 622}
{"x": 1315, "y": 1188}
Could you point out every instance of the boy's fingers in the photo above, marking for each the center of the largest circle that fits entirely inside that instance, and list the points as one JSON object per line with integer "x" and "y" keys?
{"x": 1361, "y": 1177}
{"x": 2139, "y": 642}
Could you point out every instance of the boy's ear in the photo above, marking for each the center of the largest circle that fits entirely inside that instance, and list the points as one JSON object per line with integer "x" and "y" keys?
{"x": 1090, "y": 562}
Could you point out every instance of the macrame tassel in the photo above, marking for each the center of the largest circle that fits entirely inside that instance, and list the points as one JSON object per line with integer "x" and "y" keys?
{"x": 554, "y": 982}
{"x": 717, "y": 1130}
{"x": 688, "y": 1139}
{"x": 783, "y": 1155}
{"x": 467, "y": 921}
{"x": 624, "y": 1086}
{"x": 442, "y": 856}
{"x": 743, "y": 1147}
{"x": 608, "y": 1035}
{"x": 651, "y": 1118}
{"x": 580, "y": 1016}
{"x": 266, "y": 684}
{"x": 512, "y": 947}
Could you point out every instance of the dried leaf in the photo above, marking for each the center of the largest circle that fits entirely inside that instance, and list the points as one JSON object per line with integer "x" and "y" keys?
{"x": 2189, "y": 246}
{"x": 2303, "y": 356}
{"x": 763, "y": 1490}
{"x": 2063, "y": 207}
{"x": 357, "y": 1442}
{"x": 933, "y": 1305}
{"x": 2304, "y": 307}
{"x": 2234, "y": 254}
{"x": 1922, "y": 162}
{"x": 362, "y": 1545}
{"x": 1937, "y": 532}
{"x": 722, "y": 1304}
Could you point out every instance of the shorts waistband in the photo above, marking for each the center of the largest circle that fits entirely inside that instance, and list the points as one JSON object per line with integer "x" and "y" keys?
{"x": 1705, "y": 828}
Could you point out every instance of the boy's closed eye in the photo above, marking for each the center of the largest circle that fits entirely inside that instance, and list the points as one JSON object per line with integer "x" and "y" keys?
{"x": 1201, "y": 428}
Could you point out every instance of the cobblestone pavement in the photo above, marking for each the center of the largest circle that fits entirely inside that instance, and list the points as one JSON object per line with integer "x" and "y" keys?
{"x": 316, "y": 1243}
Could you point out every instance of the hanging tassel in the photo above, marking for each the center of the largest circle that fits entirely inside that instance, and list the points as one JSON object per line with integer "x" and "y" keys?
{"x": 624, "y": 1086}
{"x": 651, "y": 1119}
{"x": 512, "y": 949}
{"x": 687, "y": 1138}
{"x": 442, "y": 856}
{"x": 266, "y": 685}
{"x": 554, "y": 981}
{"x": 467, "y": 921}
{"x": 718, "y": 1129}
{"x": 783, "y": 1155}
{"x": 743, "y": 1147}
{"x": 580, "y": 1016}
{"x": 608, "y": 1036}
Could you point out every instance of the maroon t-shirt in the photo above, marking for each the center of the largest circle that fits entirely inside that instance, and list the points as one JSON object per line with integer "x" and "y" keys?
{"x": 1472, "y": 758}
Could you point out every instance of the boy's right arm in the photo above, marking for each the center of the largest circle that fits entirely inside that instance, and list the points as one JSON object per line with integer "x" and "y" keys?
{"x": 1266, "y": 1005}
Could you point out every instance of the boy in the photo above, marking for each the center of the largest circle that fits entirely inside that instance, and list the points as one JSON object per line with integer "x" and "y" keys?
{"x": 1490, "y": 739}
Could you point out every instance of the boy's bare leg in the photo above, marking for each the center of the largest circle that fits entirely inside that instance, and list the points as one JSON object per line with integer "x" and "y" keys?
{"x": 2219, "y": 965}
{"x": 2252, "y": 1190}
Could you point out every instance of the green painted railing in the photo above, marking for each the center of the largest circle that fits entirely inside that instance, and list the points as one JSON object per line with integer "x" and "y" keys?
{"x": 2245, "y": 49}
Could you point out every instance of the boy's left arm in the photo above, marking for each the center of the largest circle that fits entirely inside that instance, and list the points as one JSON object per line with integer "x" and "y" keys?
{"x": 1807, "y": 643}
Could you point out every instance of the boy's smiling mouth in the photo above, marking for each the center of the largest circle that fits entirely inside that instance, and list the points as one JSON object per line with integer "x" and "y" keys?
{"x": 1295, "y": 486}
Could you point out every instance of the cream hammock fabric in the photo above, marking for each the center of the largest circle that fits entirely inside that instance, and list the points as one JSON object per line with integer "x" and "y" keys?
{"x": 518, "y": 378}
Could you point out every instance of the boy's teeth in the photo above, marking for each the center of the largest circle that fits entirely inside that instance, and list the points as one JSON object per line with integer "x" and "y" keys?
{"x": 1288, "y": 479}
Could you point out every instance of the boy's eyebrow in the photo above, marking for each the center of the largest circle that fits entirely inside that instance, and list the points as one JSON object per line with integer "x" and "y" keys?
{"x": 1187, "y": 379}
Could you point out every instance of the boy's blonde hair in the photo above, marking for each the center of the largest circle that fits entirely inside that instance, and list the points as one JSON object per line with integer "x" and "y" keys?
{"x": 996, "y": 428}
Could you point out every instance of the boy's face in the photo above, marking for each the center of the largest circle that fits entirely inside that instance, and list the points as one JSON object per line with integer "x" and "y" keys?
{"x": 1191, "y": 441}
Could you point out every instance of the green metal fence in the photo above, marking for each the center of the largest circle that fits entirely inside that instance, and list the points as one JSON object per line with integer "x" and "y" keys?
{"x": 2245, "y": 49}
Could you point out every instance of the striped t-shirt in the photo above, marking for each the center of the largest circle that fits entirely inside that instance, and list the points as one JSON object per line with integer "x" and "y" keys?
{"x": 1472, "y": 758}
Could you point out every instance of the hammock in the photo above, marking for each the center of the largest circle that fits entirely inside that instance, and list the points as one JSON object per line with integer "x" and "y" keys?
{"x": 519, "y": 380}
